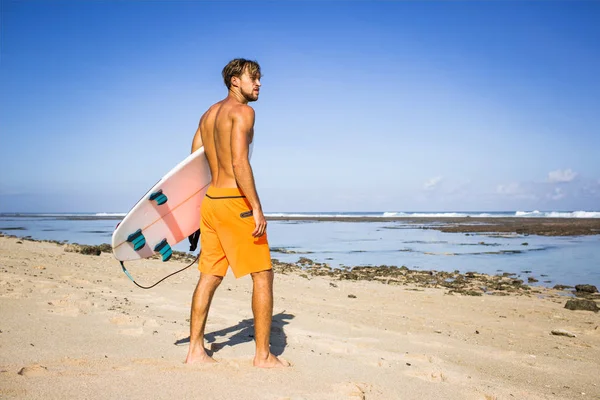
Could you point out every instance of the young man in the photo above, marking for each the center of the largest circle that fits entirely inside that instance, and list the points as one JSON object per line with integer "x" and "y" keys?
{"x": 232, "y": 226}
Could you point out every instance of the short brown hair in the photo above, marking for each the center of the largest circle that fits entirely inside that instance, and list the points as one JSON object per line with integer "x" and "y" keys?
{"x": 237, "y": 67}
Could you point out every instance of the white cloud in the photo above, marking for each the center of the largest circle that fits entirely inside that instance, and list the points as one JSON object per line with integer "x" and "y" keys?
{"x": 432, "y": 183}
{"x": 557, "y": 176}
{"x": 557, "y": 194}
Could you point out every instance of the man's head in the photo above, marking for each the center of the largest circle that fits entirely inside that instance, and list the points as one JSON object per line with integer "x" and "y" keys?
{"x": 245, "y": 76}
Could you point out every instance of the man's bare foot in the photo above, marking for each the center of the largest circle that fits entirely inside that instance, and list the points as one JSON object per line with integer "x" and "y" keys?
{"x": 270, "y": 362}
{"x": 198, "y": 356}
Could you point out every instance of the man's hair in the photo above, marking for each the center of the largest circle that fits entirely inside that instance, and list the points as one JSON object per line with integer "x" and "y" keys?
{"x": 237, "y": 67}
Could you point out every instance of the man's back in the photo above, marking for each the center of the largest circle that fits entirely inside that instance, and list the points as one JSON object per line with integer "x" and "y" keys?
{"x": 217, "y": 128}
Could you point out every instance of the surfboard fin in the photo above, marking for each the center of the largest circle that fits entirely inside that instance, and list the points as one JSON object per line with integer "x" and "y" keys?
{"x": 164, "y": 249}
{"x": 137, "y": 239}
{"x": 159, "y": 197}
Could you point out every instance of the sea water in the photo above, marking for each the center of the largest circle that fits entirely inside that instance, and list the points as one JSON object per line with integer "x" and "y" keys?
{"x": 567, "y": 260}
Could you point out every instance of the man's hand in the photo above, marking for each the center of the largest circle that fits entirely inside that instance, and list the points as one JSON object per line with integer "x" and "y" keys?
{"x": 260, "y": 223}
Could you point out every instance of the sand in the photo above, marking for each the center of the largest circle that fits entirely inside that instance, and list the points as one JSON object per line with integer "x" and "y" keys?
{"x": 74, "y": 326}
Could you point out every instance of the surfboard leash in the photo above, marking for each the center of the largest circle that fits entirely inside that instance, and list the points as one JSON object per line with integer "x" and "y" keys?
{"x": 150, "y": 287}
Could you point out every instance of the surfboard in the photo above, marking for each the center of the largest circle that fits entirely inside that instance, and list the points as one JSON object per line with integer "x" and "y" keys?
{"x": 168, "y": 213}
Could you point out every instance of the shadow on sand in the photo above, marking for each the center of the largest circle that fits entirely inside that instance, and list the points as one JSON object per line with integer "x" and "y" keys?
{"x": 243, "y": 332}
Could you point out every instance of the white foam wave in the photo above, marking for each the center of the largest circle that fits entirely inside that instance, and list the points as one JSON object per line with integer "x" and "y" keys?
{"x": 559, "y": 214}
{"x": 535, "y": 213}
{"x": 575, "y": 214}
{"x": 110, "y": 214}
{"x": 387, "y": 214}
{"x": 398, "y": 214}
{"x": 55, "y": 215}
{"x": 310, "y": 215}
{"x": 437, "y": 215}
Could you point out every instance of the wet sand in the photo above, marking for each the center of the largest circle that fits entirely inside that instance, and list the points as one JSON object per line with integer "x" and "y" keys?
{"x": 74, "y": 326}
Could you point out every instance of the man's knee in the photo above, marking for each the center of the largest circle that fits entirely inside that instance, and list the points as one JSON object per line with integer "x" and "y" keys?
{"x": 263, "y": 276}
{"x": 212, "y": 281}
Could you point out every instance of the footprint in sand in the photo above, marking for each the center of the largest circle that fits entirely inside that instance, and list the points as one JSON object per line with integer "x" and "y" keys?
{"x": 332, "y": 345}
{"x": 65, "y": 307}
{"x": 33, "y": 370}
{"x": 438, "y": 376}
{"x": 7, "y": 289}
{"x": 151, "y": 323}
{"x": 125, "y": 320}
{"x": 426, "y": 367}
{"x": 381, "y": 363}
{"x": 430, "y": 376}
{"x": 423, "y": 358}
{"x": 352, "y": 390}
{"x": 46, "y": 288}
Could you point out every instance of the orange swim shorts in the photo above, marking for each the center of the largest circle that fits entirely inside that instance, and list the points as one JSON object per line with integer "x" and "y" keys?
{"x": 226, "y": 227}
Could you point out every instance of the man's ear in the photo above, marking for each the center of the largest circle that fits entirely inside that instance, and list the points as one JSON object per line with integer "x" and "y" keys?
{"x": 235, "y": 81}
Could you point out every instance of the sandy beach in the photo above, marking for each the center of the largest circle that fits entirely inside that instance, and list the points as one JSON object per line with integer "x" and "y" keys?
{"x": 74, "y": 326}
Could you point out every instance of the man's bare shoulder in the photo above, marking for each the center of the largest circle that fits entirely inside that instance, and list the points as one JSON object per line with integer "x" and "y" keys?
{"x": 213, "y": 108}
{"x": 243, "y": 111}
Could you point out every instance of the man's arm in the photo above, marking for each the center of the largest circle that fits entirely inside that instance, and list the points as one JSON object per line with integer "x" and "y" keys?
{"x": 197, "y": 142}
{"x": 241, "y": 133}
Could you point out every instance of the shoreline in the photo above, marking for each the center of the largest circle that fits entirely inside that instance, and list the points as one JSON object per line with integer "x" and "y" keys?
{"x": 520, "y": 225}
{"x": 471, "y": 283}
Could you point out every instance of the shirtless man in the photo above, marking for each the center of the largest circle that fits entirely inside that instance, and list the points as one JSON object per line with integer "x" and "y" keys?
{"x": 229, "y": 236}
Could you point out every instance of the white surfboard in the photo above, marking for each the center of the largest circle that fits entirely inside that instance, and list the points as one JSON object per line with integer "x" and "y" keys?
{"x": 168, "y": 213}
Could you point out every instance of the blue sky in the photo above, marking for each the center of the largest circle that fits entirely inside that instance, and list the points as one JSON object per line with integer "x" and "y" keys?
{"x": 365, "y": 106}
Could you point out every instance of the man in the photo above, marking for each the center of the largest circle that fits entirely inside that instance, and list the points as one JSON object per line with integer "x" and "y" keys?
{"x": 232, "y": 223}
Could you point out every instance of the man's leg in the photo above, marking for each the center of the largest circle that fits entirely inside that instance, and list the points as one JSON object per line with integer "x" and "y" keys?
{"x": 203, "y": 294}
{"x": 262, "y": 307}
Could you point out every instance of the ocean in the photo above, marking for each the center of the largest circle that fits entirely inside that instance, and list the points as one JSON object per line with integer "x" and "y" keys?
{"x": 566, "y": 260}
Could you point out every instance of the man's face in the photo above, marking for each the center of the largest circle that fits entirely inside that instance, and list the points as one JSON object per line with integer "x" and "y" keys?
{"x": 250, "y": 86}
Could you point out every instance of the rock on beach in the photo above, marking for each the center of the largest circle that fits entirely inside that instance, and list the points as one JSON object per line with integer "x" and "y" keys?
{"x": 581, "y": 304}
{"x": 586, "y": 288}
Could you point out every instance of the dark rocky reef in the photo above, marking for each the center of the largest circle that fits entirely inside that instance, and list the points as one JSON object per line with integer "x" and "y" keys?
{"x": 469, "y": 283}
{"x": 522, "y": 226}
